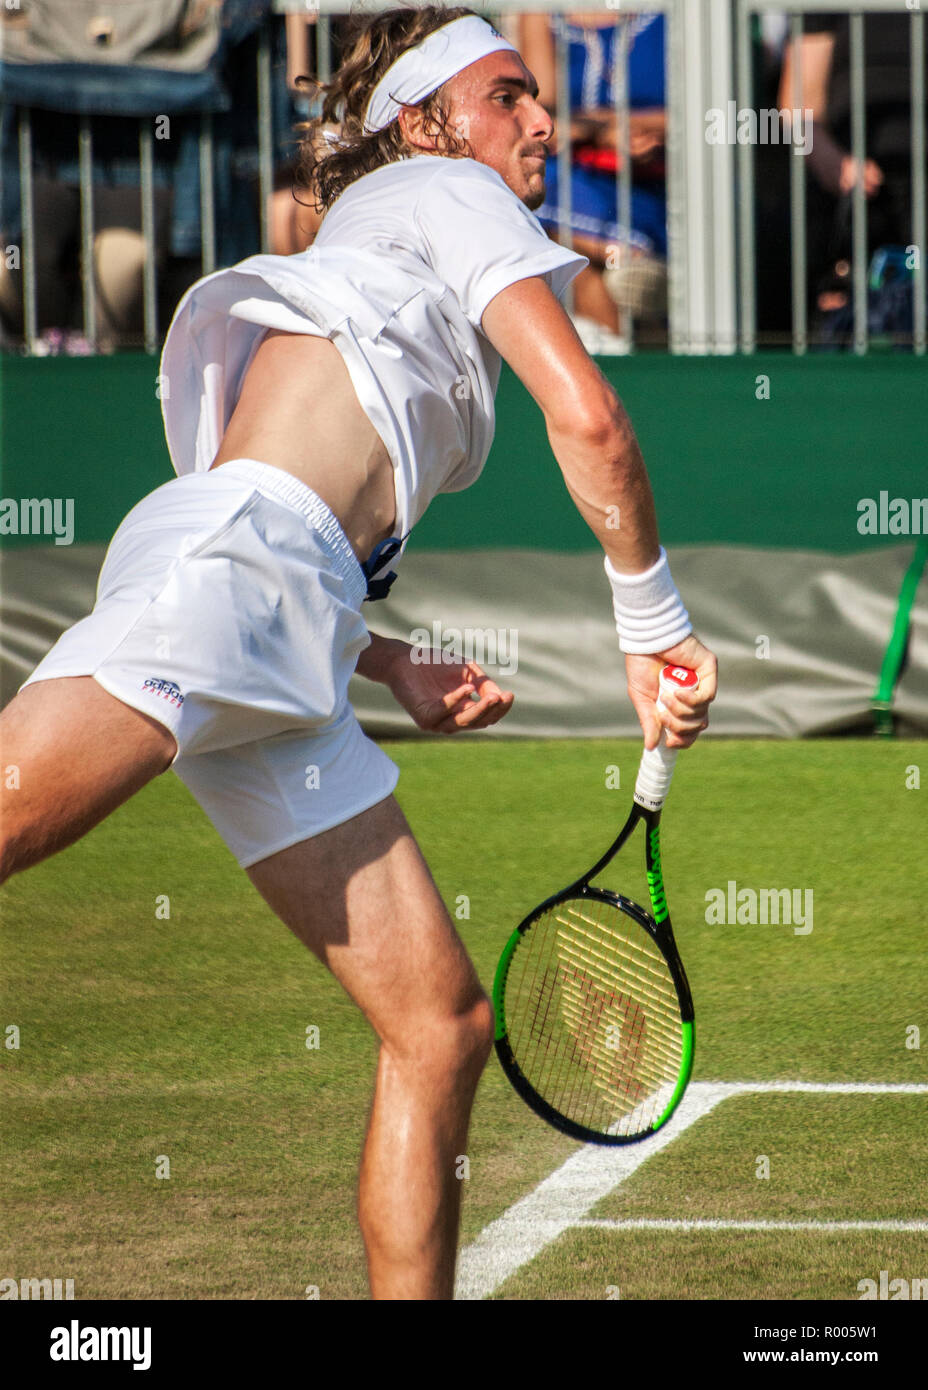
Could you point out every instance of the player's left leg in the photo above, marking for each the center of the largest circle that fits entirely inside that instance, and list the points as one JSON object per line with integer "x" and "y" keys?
{"x": 362, "y": 898}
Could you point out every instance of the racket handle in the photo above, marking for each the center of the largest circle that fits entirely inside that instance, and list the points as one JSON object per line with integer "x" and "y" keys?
{"x": 656, "y": 767}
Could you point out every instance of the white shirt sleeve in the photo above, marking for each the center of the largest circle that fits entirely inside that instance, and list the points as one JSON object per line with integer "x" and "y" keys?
{"x": 480, "y": 237}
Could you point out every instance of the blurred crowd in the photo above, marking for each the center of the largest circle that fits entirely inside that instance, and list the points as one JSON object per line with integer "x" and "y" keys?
{"x": 182, "y": 63}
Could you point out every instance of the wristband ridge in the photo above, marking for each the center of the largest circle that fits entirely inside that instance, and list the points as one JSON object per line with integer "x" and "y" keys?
{"x": 649, "y": 612}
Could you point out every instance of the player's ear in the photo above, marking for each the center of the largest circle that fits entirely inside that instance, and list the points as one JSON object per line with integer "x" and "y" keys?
{"x": 417, "y": 131}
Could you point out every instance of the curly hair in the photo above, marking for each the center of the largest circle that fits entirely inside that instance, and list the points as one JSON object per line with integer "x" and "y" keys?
{"x": 372, "y": 44}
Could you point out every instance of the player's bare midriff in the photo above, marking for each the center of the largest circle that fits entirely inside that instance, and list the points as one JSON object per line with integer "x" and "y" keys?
{"x": 298, "y": 411}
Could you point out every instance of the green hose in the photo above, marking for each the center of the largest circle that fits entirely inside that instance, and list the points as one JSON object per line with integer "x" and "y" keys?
{"x": 895, "y": 652}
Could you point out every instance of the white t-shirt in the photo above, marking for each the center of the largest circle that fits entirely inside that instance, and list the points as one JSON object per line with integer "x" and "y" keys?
{"x": 403, "y": 266}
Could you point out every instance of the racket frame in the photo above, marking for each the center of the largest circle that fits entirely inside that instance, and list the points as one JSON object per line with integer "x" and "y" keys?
{"x": 656, "y": 924}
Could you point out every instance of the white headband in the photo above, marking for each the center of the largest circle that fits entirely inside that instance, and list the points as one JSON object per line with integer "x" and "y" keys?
{"x": 421, "y": 70}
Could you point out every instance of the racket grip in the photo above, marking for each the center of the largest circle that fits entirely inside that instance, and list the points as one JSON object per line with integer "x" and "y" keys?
{"x": 656, "y": 767}
{"x": 654, "y": 773}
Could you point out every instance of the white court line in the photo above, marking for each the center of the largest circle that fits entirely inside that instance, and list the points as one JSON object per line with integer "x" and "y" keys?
{"x": 564, "y": 1199}
{"x": 655, "y": 1224}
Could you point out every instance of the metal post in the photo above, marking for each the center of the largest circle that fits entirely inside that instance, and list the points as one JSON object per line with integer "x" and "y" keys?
{"x": 324, "y": 48}
{"x": 146, "y": 182}
{"x": 797, "y": 201}
{"x": 564, "y": 190}
{"x": 748, "y": 266}
{"x": 623, "y": 145}
{"x": 265, "y": 137}
{"x": 207, "y": 197}
{"x": 859, "y": 201}
{"x": 917, "y": 71}
{"x": 695, "y": 183}
{"x": 27, "y": 200}
{"x": 88, "y": 285}
{"x": 722, "y": 246}
{"x": 709, "y": 340}
{"x": 678, "y": 298}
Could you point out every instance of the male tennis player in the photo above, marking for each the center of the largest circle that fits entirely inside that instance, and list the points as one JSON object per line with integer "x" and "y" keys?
{"x": 314, "y": 405}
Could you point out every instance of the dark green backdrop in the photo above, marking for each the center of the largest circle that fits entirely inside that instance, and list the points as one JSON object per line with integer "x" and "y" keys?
{"x": 725, "y": 465}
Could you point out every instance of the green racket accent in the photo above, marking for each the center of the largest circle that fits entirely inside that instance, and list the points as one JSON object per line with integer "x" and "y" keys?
{"x": 499, "y": 983}
{"x": 655, "y": 878}
{"x": 686, "y": 1066}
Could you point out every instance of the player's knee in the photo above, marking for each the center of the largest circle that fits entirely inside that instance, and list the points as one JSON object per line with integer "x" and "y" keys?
{"x": 480, "y": 1028}
{"x": 459, "y": 1044}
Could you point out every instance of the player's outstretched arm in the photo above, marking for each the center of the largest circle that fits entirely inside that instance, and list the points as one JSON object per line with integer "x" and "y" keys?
{"x": 440, "y": 698}
{"x": 590, "y": 434}
{"x": 593, "y": 441}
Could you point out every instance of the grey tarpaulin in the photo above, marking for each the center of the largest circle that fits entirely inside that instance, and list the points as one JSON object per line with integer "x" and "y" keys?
{"x": 826, "y": 620}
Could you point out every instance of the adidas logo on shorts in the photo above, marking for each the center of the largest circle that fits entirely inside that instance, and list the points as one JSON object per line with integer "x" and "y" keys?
{"x": 167, "y": 690}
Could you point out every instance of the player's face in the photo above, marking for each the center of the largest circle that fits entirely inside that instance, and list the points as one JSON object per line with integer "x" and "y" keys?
{"x": 492, "y": 103}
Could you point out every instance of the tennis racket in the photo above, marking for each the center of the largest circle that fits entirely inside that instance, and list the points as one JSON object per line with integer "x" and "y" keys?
{"x": 594, "y": 1019}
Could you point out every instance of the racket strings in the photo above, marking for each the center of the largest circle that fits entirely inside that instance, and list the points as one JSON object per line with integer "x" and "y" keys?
{"x": 593, "y": 1017}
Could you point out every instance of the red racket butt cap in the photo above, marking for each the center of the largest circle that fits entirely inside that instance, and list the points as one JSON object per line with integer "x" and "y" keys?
{"x": 680, "y": 676}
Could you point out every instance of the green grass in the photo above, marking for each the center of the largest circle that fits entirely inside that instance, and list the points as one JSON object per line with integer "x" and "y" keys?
{"x": 185, "y": 1037}
{"x": 830, "y": 1158}
{"x": 598, "y": 1264}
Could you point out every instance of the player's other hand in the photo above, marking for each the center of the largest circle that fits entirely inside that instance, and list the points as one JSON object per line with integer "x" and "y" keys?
{"x": 686, "y": 712}
{"x": 443, "y": 699}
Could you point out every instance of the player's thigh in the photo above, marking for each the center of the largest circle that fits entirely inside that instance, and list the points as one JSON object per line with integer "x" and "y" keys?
{"x": 70, "y": 754}
{"x": 362, "y": 898}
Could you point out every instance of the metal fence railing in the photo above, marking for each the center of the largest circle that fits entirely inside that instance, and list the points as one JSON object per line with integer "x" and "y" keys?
{"x": 744, "y": 12}
{"x": 711, "y": 186}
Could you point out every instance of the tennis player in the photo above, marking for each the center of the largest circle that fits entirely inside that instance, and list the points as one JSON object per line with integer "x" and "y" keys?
{"x": 314, "y": 405}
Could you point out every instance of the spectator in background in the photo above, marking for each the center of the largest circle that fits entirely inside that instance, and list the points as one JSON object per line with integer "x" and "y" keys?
{"x": 627, "y": 271}
{"x": 164, "y": 62}
{"x": 119, "y": 249}
{"x": 824, "y": 60}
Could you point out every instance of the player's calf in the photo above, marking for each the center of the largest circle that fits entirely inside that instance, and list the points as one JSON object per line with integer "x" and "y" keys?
{"x": 70, "y": 753}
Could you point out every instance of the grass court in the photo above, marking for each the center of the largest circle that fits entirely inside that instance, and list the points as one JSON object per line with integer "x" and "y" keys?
{"x": 144, "y": 1036}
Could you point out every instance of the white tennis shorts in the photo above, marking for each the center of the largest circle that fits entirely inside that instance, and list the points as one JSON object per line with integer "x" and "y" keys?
{"x": 228, "y": 608}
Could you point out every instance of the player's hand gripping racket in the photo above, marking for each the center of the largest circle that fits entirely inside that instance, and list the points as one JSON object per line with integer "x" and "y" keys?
{"x": 594, "y": 1020}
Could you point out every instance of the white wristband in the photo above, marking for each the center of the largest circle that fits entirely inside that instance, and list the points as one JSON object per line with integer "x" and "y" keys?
{"x": 649, "y": 613}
